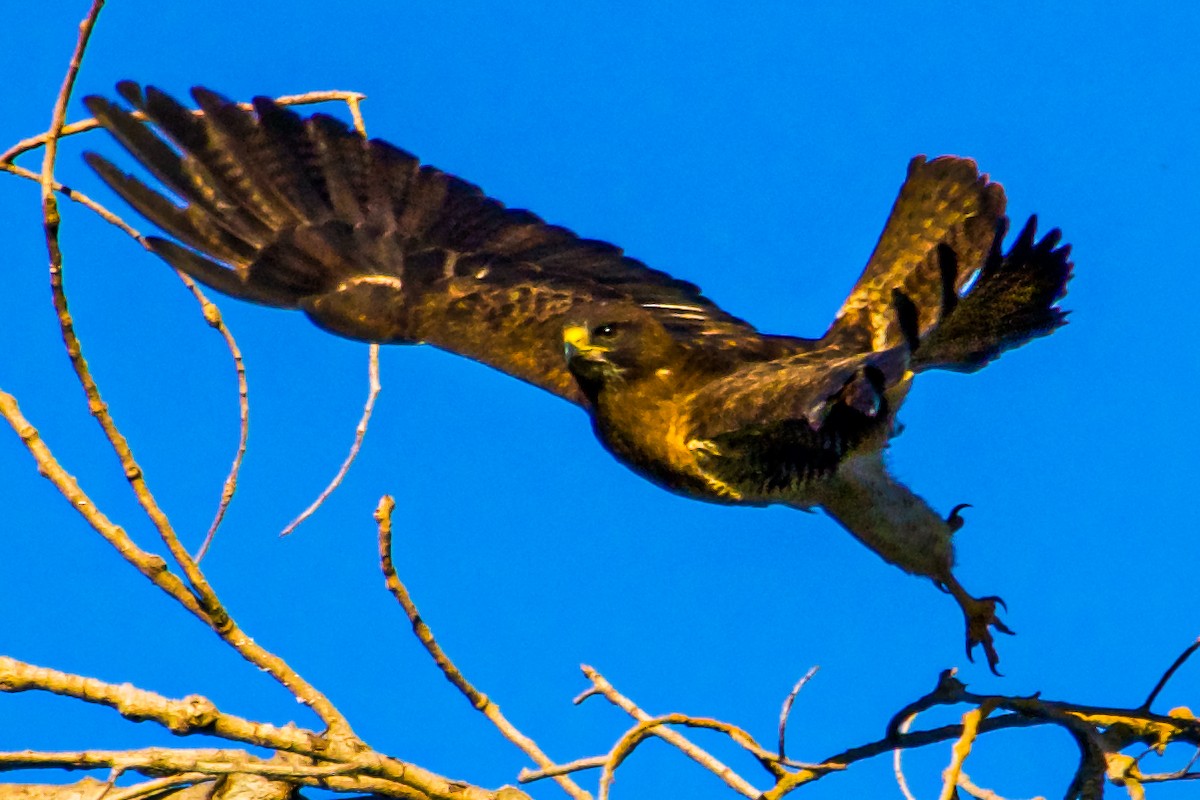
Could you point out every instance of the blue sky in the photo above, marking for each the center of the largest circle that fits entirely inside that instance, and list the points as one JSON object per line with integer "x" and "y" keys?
{"x": 755, "y": 154}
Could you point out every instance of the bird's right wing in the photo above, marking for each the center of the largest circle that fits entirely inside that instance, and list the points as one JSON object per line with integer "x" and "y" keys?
{"x": 306, "y": 213}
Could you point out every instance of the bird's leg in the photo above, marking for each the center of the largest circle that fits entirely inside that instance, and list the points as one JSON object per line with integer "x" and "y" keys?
{"x": 889, "y": 518}
{"x": 980, "y": 614}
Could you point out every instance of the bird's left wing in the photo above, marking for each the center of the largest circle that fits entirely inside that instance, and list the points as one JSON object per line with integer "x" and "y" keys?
{"x": 305, "y": 213}
{"x": 944, "y": 202}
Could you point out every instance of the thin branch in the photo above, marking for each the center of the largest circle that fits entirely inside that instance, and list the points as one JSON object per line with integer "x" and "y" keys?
{"x": 308, "y": 98}
{"x": 1171, "y": 670}
{"x": 203, "y": 595}
{"x": 159, "y": 785}
{"x": 644, "y": 729}
{"x": 151, "y": 566}
{"x": 786, "y": 711}
{"x": 578, "y": 765}
{"x": 113, "y": 775}
{"x": 355, "y": 105}
{"x": 230, "y": 485}
{"x": 360, "y": 433}
{"x": 898, "y": 760}
{"x": 979, "y": 792}
{"x": 601, "y": 686}
{"x": 960, "y": 751}
{"x": 383, "y": 518}
{"x": 212, "y": 315}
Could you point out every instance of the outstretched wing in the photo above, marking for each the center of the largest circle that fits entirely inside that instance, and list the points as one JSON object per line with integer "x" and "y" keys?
{"x": 944, "y": 202}
{"x": 306, "y": 213}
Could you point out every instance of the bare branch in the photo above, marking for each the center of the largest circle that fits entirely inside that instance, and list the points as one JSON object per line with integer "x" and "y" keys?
{"x": 159, "y": 786}
{"x": 203, "y": 596}
{"x": 383, "y": 518}
{"x": 360, "y": 433}
{"x": 786, "y": 712}
{"x": 960, "y": 751}
{"x": 600, "y": 686}
{"x": 1171, "y": 670}
{"x": 578, "y": 765}
{"x": 307, "y": 98}
{"x": 898, "y": 760}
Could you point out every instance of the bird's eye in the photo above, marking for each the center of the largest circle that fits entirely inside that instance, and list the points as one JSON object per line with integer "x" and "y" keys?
{"x": 604, "y": 331}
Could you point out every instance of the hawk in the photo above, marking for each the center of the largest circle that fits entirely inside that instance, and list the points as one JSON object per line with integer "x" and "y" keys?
{"x": 305, "y": 213}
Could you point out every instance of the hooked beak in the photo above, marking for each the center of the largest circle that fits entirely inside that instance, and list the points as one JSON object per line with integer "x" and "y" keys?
{"x": 577, "y": 344}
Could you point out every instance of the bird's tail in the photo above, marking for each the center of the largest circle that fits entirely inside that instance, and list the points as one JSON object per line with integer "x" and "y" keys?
{"x": 1012, "y": 301}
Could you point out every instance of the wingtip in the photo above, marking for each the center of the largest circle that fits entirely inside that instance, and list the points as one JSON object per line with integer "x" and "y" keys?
{"x": 209, "y": 100}
{"x": 131, "y": 92}
{"x": 96, "y": 104}
{"x": 108, "y": 172}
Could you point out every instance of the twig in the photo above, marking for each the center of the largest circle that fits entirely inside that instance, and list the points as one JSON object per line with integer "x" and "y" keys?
{"x": 578, "y": 765}
{"x": 1162, "y": 682}
{"x": 644, "y": 729}
{"x": 307, "y": 98}
{"x": 201, "y": 596}
{"x": 230, "y": 485}
{"x": 211, "y": 313}
{"x": 360, "y": 433}
{"x": 898, "y": 760}
{"x": 150, "y": 565}
{"x": 383, "y": 519}
{"x": 159, "y": 785}
{"x": 212, "y": 316}
{"x": 786, "y": 711}
{"x": 600, "y": 686}
{"x": 113, "y": 775}
{"x": 978, "y": 792}
{"x": 961, "y": 749}
{"x": 354, "y": 103}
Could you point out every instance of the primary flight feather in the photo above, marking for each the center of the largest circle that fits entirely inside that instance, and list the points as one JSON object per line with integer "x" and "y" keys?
{"x": 305, "y": 213}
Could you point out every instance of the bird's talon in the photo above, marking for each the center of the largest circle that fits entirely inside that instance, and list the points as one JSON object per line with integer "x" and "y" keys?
{"x": 954, "y": 519}
{"x": 981, "y": 619}
{"x": 995, "y": 599}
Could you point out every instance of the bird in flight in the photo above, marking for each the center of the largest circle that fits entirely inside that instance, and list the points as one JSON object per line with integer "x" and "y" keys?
{"x": 305, "y": 213}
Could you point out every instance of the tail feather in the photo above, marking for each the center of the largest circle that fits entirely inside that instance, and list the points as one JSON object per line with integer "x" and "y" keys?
{"x": 1012, "y": 301}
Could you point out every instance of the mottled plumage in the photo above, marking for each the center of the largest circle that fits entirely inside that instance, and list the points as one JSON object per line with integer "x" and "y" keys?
{"x": 305, "y": 213}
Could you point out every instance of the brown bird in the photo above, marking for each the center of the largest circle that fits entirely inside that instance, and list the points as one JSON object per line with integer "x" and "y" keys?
{"x": 305, "y": 213}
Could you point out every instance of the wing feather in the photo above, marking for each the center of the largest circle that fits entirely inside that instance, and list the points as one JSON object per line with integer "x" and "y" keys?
{"x": 306, "y": 213}
{"x": 943, "y": 203}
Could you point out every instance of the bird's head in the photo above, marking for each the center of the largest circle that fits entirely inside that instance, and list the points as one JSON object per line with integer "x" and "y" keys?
{"x": 611, "y": 344}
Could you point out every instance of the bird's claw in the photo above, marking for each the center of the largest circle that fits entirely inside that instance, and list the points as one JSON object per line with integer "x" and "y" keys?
{"x": 954, "y": 518}
{"x": 981, "y": 619}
